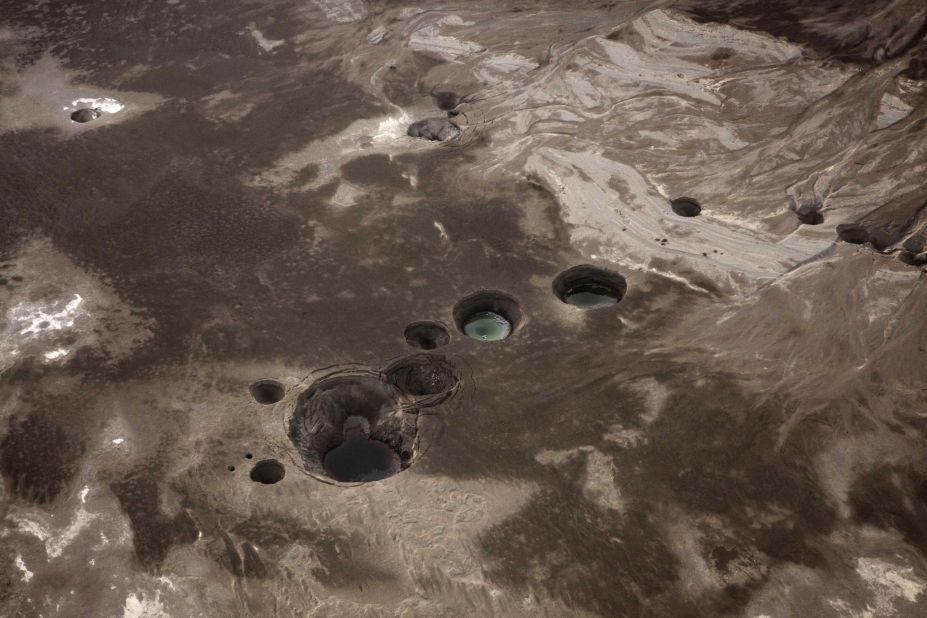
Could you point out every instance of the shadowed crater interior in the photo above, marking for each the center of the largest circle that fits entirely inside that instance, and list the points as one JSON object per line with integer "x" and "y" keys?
{"x": 686, "y": 207}
{"x": 426, "y": 379}
{"x": 85, "y": 115}
{"x": 268, "y": 472}
{"x": 852, "y": 233}
{"x": 352, "y": 428}
{"x": 914, "y": 251}
{"x": 809, "y": 215}
{"x": 589, "y": 287}
{"x": 267, "y": 392}
{"x": 434, "y": 129}
{"x": 426, "y": 335}
{"x": 488, "y": 315}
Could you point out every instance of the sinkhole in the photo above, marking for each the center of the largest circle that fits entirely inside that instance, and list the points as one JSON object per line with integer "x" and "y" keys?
{"x": 353, "y": 428}
{"x": 686, "y": 207}
{"x": 852, "y": 233}
{"x": 267, "y": 392}
{"x": 268, "y": 472}
{"x": 488, "y": 315}
{"x": 426, "y": 335}
{"x": 589, "y": 287}
{"x": 85, "y": 115}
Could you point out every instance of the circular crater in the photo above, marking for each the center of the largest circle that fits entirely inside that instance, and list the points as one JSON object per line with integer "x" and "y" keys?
{"x": 85, "y": 115}
{"x": 425, "y": 379}
{"x": 488, "y": 315}
{"x": 589, "y": 287}
{"x": 686, "y": 207}
{"x": 341, "y": 409}
{"x": 267, "y": 392}
{"x": 426, "y": 335}
{"x": 852, "y": 233}
{"x": 268, "y": 472}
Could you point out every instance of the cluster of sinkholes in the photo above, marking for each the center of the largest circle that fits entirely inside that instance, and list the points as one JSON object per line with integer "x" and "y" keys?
{"x": 266, "y": 471}
{"x": 358, "y": 425}
{"x": 493, "y": 315}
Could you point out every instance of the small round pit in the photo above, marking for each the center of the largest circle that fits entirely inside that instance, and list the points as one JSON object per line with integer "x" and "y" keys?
{"x": 488, "y": 316}
{"x": 589, "y": 287}
{"x": 268, "y": 472}
{"x": 267, "y": 392}
{"x": 426, "y": 335}
{"x": 686, "y": 207}
{"x": 85, "y": 115}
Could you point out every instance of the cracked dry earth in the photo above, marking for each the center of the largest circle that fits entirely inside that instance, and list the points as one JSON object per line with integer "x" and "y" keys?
{"x": 644, "y": 335}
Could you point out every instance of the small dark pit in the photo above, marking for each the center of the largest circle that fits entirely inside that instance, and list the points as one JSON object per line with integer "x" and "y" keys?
{"x": 268, "y": 472}
{"x": 249, "y": 456}
{"x": 231, "y": 468}
{"x": 809, "y": 215}
{"x": 852, "y": 233}
{"x": 427, "y": 335}
{"x": 85, "y": 115}
{"x": 686, "y": 207}
{"x": 426, "y": 379}
{"x": 488, "y": 307}
{"x": 267, "y": 392}
{"x": 589, "y": 287}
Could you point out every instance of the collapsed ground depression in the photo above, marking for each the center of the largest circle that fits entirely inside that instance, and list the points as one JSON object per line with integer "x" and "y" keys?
{"x": 366, "y": 308}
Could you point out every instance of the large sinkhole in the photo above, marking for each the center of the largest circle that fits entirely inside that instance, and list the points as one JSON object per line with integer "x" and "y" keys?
{"x": 589, "y": 287}
{"x": 686, "y": 207}
{"x": 424, "y": 380}
{"x": 488, "y": 315}
{"x": 353, "y": 429}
